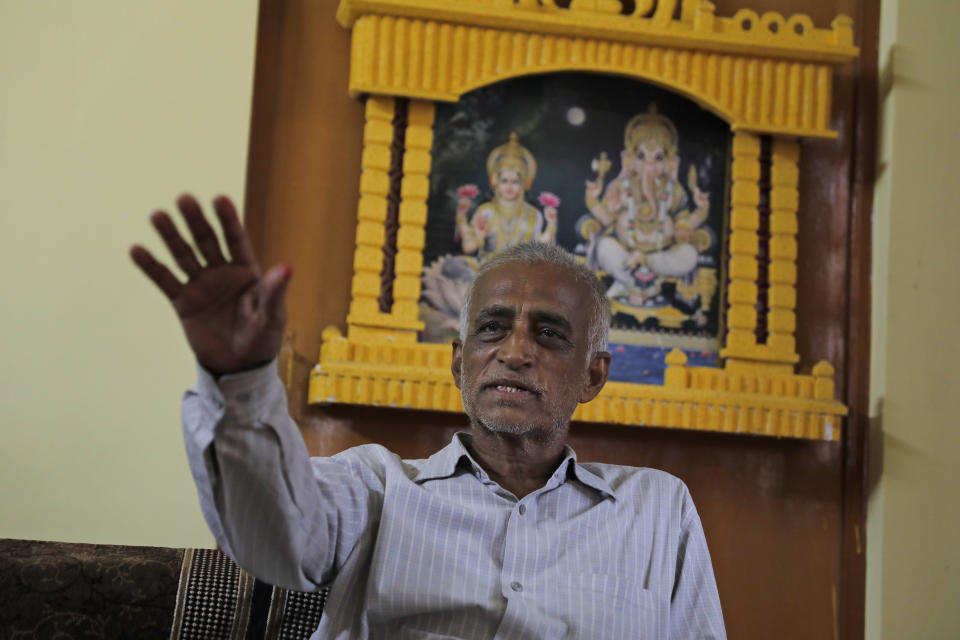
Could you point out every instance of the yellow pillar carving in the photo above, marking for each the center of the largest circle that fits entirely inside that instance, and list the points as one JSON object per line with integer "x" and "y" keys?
{"x": 365, "y": 321}
{"x": 782, "y": 295}
{"x": 744, "y": 222}
{"x": 371, "y": 210}
{"x": 414, "y": 191}
{"x": 743, "y": 353}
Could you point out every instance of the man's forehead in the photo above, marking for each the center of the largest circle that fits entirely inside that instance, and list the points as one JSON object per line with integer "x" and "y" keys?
{"x": 511, "y": 275}
{"x": 542, "y": 285}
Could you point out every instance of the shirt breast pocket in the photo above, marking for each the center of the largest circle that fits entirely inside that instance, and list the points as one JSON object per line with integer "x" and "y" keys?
{"x": 600, "y": 606}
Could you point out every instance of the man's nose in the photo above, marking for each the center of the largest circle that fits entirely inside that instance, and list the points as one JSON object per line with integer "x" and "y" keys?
{"x": 516, "y": 350}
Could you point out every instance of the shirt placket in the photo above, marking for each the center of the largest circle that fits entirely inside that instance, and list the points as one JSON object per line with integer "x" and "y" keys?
{"x": 521, "y": 556}
{"x": 512, "y": 576}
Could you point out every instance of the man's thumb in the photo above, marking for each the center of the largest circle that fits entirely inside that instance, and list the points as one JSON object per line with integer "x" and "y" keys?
{"x": 275, "y": 283}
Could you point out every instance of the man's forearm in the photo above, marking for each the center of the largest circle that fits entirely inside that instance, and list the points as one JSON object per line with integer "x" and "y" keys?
{"x": 254, "y": 478}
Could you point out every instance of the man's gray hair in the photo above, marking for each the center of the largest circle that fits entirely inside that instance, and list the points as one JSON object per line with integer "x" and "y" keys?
{"x": 539, "y": 253}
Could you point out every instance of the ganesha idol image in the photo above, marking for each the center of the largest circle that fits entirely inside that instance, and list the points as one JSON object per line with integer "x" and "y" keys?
{"x": 644, "y": 229}
{"x": 506, "y": 219}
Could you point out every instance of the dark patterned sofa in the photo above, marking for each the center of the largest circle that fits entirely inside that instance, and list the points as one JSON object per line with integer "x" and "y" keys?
{"x": 64, "y": 590}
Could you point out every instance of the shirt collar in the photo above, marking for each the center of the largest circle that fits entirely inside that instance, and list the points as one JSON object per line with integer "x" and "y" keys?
{"x": 444, "y": 463}
{"x": 587, "y": 477}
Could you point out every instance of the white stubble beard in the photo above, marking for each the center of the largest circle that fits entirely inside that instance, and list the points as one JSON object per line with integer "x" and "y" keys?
{"x": 559, "y": 422}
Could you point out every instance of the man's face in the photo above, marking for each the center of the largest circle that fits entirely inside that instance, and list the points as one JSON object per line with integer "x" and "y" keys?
{"x": 523, "y": 367}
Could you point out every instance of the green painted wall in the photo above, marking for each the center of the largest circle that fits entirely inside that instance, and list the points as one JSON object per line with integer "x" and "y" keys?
{"x": 108, "y": 110}
{"x": 913, "y": 528}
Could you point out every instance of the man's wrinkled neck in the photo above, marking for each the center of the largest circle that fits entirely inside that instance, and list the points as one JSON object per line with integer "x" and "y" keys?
{"x": 520, "y": 463}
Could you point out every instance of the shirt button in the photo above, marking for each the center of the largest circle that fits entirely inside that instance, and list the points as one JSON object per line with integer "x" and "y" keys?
{"x": 523, "y": 509}
{"x": 516, "y": 586}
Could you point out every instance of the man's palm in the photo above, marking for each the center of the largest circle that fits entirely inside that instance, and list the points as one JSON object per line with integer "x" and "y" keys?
{"x": 232, "y": 315}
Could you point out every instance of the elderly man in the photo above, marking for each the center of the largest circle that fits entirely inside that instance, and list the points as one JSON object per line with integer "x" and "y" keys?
{"x": 502, "y": 533}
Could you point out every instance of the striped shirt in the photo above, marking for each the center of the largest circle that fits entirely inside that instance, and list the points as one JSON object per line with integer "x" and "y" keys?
{"x": 434, "y": 548}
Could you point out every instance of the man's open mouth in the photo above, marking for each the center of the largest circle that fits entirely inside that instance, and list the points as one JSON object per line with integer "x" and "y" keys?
{"x": 511, "y": 387}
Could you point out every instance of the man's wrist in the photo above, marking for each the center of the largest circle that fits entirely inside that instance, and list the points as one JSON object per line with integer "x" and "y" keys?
{"x": 217, "y": 375}
{"x": 242, "y": 393}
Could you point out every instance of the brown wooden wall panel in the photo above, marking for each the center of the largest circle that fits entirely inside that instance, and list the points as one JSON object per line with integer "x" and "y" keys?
{"x": 303, "y": 172}
{"x": 783, "y": 518}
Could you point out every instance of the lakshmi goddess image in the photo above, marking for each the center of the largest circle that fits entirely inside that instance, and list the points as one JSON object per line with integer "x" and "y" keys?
{"x": 506, "y": 219}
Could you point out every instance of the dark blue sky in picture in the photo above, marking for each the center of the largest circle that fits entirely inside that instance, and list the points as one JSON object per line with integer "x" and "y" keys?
{"x": 646, "y": 365}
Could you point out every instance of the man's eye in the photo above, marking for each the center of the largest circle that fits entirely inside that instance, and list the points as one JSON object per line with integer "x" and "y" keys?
{"x": 547, "y": 332}
{"x": 489, "y": 327}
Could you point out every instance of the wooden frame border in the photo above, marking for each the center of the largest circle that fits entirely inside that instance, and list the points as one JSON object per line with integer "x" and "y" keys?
{"x": 771, "y": 77}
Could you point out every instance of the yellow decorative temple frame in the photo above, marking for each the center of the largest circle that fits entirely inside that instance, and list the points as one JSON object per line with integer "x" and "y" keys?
{"x": 769, "y": 77}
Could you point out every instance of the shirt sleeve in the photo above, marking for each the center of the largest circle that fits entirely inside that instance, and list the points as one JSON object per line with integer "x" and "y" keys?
{"x": 289, "y": 519}
{"x": 695, "y": 604}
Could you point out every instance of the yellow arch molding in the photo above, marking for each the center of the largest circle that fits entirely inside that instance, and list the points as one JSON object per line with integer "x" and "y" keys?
{"x": 758, "y": 80}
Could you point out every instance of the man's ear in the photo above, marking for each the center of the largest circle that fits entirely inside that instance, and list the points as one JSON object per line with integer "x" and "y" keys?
{"x": 597, "y": 372}
{"x": 456, "y": 361}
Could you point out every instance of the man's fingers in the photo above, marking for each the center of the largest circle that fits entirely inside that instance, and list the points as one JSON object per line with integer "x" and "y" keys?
{"x": 157, "y": 272}
{"x": 203, "y": 235}
{"x": 237, "y": 240}
{"x": 181, "y": 251}
{"x": 275, "y": 288}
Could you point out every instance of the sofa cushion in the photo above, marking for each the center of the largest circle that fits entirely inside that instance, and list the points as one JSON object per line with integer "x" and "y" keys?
{"x": 59, "y": 589}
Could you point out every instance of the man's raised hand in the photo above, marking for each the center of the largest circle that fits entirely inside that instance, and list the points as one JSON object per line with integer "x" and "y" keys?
{"x": 232, "y": 314}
